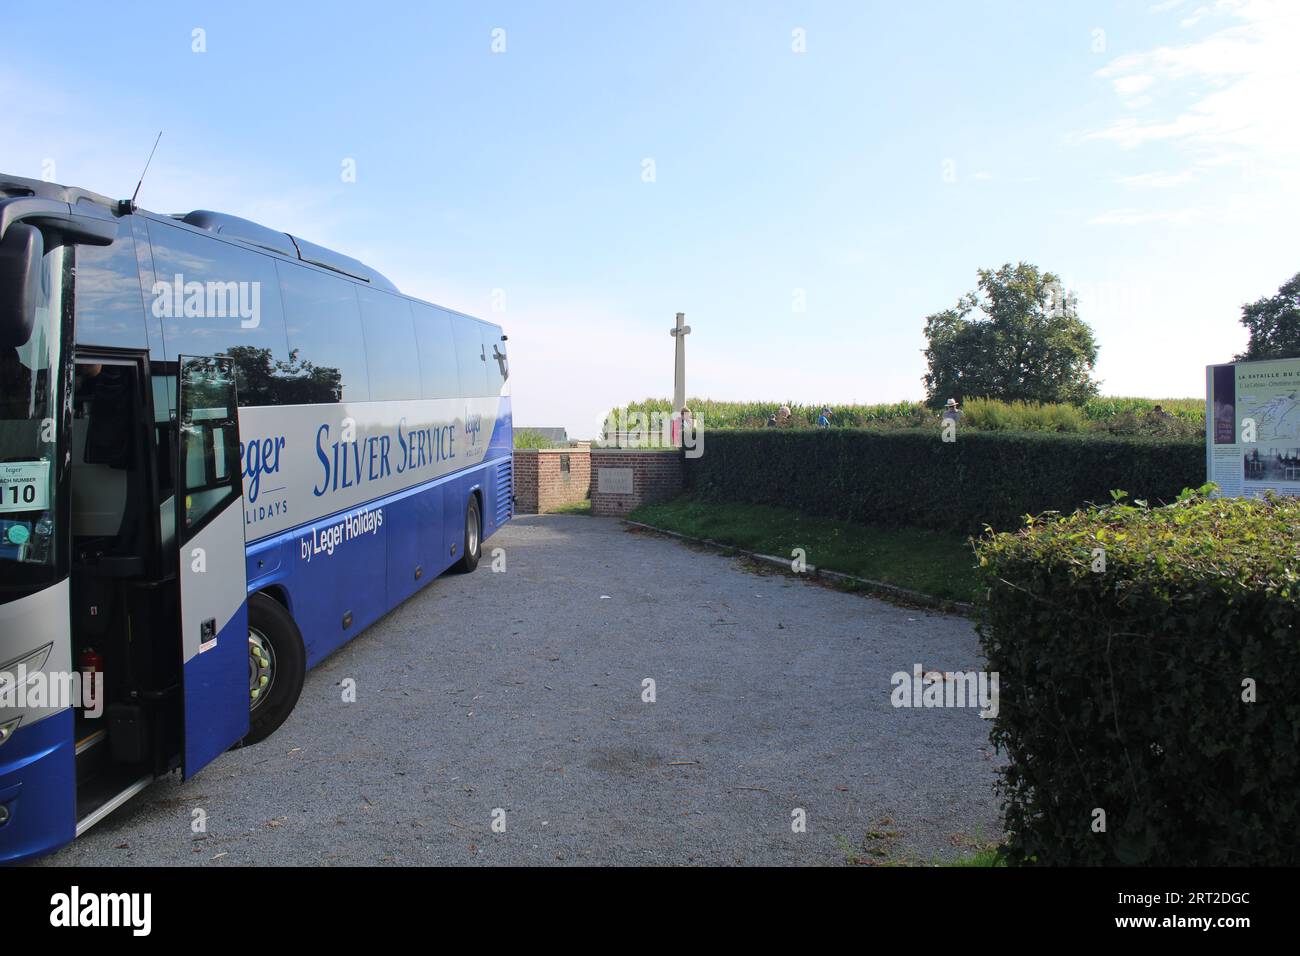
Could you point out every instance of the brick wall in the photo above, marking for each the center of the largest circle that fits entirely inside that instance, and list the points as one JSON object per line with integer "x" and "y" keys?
{"x": 524, "y": 478}
{"x": 650, "y": 475}
{"x": 543, "y": 484}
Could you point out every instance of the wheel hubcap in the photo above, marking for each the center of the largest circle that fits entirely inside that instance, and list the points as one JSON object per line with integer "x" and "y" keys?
{"x": 261, "y": 668}
{"x": 473, "y": 532}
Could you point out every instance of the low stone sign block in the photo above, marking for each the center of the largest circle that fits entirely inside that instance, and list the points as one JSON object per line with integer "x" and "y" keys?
{"x": 614, "y": 481}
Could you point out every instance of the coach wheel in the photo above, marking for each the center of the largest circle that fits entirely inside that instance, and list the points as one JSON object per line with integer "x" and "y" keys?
{"x": 277, "y": 665}
{"x": 473, "y": 538}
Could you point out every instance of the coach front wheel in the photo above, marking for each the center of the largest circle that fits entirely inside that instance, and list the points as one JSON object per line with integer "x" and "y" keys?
{"x": 277, "y": 665}
{"x": 473, "y": 538}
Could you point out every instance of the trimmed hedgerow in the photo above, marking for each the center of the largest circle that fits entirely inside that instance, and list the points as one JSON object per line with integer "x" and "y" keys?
{"x": 913, "y": 477}
{"x": 1124, "y": 687}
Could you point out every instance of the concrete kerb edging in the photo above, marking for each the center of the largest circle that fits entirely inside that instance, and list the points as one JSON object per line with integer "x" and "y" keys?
{"x": 879, "y": 587}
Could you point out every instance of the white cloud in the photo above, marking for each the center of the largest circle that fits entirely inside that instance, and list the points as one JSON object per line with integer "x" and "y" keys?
{"x": 1136, "y": 217}
{"x": 1160, "y": 180}
{"x": 849, "y": 257}
{"x": 1229, "y": 92}
{"x": 1136, "y": 83}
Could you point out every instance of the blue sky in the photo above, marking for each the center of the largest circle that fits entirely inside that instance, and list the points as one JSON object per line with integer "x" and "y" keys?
{"x": 1146, "y": 152}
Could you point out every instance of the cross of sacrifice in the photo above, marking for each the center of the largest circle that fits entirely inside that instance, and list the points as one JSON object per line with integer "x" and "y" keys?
{"x": 679, "y": 372}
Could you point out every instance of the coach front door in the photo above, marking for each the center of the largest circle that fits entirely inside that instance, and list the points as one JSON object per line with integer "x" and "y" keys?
{"x": 210, "y": 536}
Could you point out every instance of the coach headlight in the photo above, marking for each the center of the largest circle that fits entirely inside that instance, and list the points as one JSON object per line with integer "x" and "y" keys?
{"x": 8, "y": 727}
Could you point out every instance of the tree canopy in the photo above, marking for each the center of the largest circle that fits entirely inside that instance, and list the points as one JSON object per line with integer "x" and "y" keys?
{"x": 1274, "y": 324}
{"x": 1018, "y": 337}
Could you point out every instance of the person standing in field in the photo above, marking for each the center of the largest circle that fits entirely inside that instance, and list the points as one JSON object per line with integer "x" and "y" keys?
{"x": 685, "y": 424}
{"x": 951, "y": 411}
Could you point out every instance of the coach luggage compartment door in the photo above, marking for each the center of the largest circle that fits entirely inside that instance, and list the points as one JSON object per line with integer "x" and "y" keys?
{"x": 210, "y": 537}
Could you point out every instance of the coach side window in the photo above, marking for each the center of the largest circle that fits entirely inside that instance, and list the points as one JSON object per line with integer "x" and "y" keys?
{"x": 391, "y": 356}
{"x": 216, "y": 298}
{"x": 438, "y": 369}
{"x": 325, "y": 340}
{"x": 471, "y": 356}
{"x": 107, "y": 295}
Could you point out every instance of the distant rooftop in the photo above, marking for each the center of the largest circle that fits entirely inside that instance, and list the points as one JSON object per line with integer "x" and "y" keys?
{"x": 557, "y": 436}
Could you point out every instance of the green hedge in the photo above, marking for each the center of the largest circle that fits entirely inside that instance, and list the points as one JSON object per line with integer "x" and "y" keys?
{"x": 1122, "y": 689}
{"x": 912, "y": 477}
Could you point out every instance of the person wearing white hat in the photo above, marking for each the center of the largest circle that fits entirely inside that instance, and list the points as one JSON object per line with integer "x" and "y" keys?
{"x": 951, "y": 411}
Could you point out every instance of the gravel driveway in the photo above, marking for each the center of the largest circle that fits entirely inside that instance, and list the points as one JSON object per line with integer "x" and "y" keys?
{"x": 522, "y": 692}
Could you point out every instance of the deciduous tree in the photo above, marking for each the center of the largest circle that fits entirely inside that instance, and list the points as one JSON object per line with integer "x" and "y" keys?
{"x": 1274, "y": 324}
{"x": 1017, "y": 337}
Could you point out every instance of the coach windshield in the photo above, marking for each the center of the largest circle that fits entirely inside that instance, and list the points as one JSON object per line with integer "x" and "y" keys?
{"x": 32, "y": 391}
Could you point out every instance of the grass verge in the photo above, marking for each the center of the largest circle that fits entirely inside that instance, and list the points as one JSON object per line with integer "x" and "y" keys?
{"x": 980, "y": 858}
{"x": 937, "y": 563}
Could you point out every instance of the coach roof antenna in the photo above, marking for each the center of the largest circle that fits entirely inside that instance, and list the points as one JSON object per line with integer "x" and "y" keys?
{"x": 128, "y": 205}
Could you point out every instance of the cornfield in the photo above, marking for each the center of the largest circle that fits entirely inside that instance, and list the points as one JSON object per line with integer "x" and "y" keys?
{"x": 1184, "y": 417}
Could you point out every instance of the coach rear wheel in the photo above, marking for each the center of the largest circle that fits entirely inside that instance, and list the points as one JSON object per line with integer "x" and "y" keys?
{"x": 473, "y": 538}
{"x": 261, "y": 669}
{"x": 277, "y": 665}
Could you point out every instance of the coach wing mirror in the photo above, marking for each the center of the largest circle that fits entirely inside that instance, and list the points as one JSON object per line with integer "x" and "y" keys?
{"x": 21, "y": 252}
